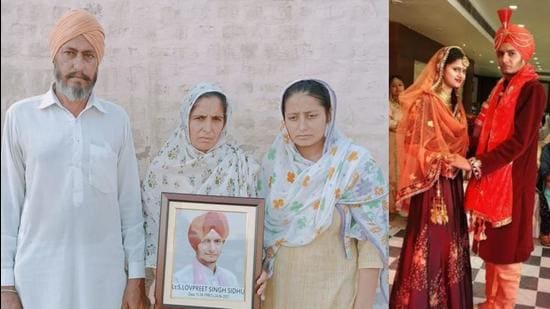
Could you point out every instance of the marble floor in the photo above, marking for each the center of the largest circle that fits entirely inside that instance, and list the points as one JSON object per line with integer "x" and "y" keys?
{"x": 534, "y": 289}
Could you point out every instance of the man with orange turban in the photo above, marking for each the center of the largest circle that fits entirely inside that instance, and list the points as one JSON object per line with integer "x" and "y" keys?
{"x": 72, "y": 225}
{"x": 207, "y": 234}
{"x": 501, "y": 195}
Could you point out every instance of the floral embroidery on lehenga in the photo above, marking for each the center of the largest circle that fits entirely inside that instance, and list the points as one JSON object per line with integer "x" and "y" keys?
{"x": 437, "y": 292}
{"x": 419, "y": 276}
{"x": 457, "y": 255}
{"x": 420, "y": 283}
{"x": 417, "y": 279}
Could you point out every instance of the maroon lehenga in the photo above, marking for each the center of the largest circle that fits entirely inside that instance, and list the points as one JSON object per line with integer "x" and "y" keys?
{"x": 434, "y": 266}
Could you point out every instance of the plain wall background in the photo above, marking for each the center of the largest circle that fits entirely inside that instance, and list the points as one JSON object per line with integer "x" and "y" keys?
{"x": 157, "y": 50}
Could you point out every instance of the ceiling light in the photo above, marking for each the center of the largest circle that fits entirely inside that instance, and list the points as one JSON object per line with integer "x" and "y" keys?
{"x": 536, "y": 58}
{"x": 491, "y": 61}
{"x": 513, "y": 7}
{"x": 521, "y": 25}
{"x": 464, "y": 44}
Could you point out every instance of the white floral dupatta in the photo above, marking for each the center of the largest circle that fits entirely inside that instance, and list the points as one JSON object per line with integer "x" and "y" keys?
{"x": 301, "y": 195}
{"x": 179, "y": 167}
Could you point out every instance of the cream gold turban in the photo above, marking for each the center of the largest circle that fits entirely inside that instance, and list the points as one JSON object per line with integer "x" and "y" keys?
{"x": 75, "y": 23}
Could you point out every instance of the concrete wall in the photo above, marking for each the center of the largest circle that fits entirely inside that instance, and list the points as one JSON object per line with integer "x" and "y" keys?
{"x": 157, "y": 50}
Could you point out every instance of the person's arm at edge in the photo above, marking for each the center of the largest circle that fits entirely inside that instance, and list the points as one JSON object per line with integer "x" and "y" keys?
{"x": 131, "y": 215}
{"x": 12, "y": 196}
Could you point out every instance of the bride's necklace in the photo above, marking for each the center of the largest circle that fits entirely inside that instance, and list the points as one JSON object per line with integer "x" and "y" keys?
{"x": 445, "y": 97}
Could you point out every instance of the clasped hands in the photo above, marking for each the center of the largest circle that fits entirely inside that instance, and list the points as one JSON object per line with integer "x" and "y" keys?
{"x": 458, "y": 161}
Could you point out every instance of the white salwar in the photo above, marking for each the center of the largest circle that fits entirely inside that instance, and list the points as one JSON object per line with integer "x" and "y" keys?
{"x": 71, "y": 212}
{"x": 180, "y": 168}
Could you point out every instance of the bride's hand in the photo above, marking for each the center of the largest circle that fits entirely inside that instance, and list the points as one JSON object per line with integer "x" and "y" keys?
{"x": 458, "y": 161}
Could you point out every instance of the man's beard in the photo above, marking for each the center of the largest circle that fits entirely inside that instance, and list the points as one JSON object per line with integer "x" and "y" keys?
{"x": 73, "y": 93}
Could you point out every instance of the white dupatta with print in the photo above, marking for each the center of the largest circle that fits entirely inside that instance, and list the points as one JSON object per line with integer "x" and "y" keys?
{"x": 301, "y": 195}
{"x": 181, "y": 168}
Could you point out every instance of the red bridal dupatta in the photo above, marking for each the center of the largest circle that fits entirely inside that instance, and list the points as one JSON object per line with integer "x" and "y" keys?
{"x": 428, "y": 131}
{"x": 490, "y": 198}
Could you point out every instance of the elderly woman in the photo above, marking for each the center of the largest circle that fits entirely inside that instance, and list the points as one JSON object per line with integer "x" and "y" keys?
{"x": 198, "y": 158}
{"x": 326, "y": 210}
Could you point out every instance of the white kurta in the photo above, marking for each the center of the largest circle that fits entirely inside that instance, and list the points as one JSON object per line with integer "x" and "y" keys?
{"x": 71, "y": 210}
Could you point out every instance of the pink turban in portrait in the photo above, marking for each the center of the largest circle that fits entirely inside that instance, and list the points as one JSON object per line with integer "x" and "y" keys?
{"x": 203, "y": 224}
{"x": 518, "y": 36}
{"x": 75, "y": 23}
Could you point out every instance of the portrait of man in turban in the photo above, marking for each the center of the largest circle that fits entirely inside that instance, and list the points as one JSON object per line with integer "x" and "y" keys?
{"x": 207, "y": 235}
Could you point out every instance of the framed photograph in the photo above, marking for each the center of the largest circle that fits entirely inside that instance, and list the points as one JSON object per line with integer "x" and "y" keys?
{"x": 209, "y": 251}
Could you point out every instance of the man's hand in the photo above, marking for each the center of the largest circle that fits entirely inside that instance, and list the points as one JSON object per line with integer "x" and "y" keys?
{"x": 260, "y": 284}
{"x": 134, "y": 295}
{"x": 10, "y": 300}
{"x": 150, "y": 291}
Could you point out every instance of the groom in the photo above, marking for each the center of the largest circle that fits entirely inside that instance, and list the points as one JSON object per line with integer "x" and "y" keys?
{"x": 501, "y": 195}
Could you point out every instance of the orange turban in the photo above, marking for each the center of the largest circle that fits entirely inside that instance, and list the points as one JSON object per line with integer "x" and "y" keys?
{"x": 518, "y": 36}
{"x": 203, "y": 224}
{"x": 75, "y": 23}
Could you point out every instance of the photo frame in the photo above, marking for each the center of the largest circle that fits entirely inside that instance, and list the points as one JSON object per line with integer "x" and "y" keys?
{"x": 209, "y": 251}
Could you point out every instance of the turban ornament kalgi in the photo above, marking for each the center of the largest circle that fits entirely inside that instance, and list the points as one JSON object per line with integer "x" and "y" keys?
{"x": 518, "y": 36}
{"x": 203, "y": 224}
{"x": 73, "y": 24}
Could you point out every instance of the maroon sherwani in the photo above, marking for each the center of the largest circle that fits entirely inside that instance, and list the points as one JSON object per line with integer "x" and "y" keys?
{"x": 513, "y": 243}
